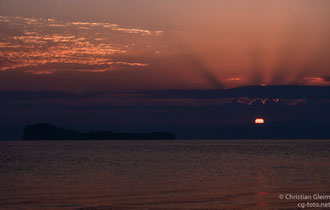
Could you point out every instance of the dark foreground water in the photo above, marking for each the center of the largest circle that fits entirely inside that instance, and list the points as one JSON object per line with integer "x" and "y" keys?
{"x": 162, "y": 174}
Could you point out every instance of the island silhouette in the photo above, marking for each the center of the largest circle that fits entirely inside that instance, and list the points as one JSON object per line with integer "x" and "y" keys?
{"x": 43, "y": 131}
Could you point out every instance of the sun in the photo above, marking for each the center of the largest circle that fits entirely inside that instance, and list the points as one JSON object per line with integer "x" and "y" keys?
{"x": 259, "y": 121}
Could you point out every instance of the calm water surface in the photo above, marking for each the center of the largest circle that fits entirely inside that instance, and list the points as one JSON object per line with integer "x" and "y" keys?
{"x": 159, "y": 174}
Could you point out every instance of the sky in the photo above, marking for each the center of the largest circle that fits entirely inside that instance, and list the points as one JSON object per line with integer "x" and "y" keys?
{"x": 106, "y": 53}
{"x": 235, "y": 42}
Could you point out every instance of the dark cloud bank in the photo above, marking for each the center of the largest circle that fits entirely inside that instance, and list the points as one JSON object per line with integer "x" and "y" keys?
{"x": 273, "y": 92}
{"x": 96, "y": 111}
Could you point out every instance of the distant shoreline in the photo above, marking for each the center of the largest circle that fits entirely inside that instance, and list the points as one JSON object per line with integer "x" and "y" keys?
{"x": 42, "y": 132}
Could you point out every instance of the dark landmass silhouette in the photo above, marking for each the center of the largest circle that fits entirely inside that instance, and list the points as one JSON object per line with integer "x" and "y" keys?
{"x": 51, "y": 132}
{"x": 279, "y": 130}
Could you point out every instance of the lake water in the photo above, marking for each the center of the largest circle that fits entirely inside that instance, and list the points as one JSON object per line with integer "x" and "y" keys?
{"x": 161, "y": 174}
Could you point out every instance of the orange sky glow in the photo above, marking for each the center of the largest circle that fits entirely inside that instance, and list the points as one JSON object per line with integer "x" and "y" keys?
{"x": 164, "y": 44}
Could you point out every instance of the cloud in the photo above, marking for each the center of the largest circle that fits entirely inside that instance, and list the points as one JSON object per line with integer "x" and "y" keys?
{"x": 47, "y": 95}
{"x": 116, "y": 27}
{"x": 5, "y": 61}
{"x": 52, "y": 67}
{"x": 49, "y": 45}
{"x": 315, "y": 81}
{"x": 271, "y": 92}
{"x": 326, "y": 79}
{"x": 252, "y": 92}
{"x": 234, "y": 79}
